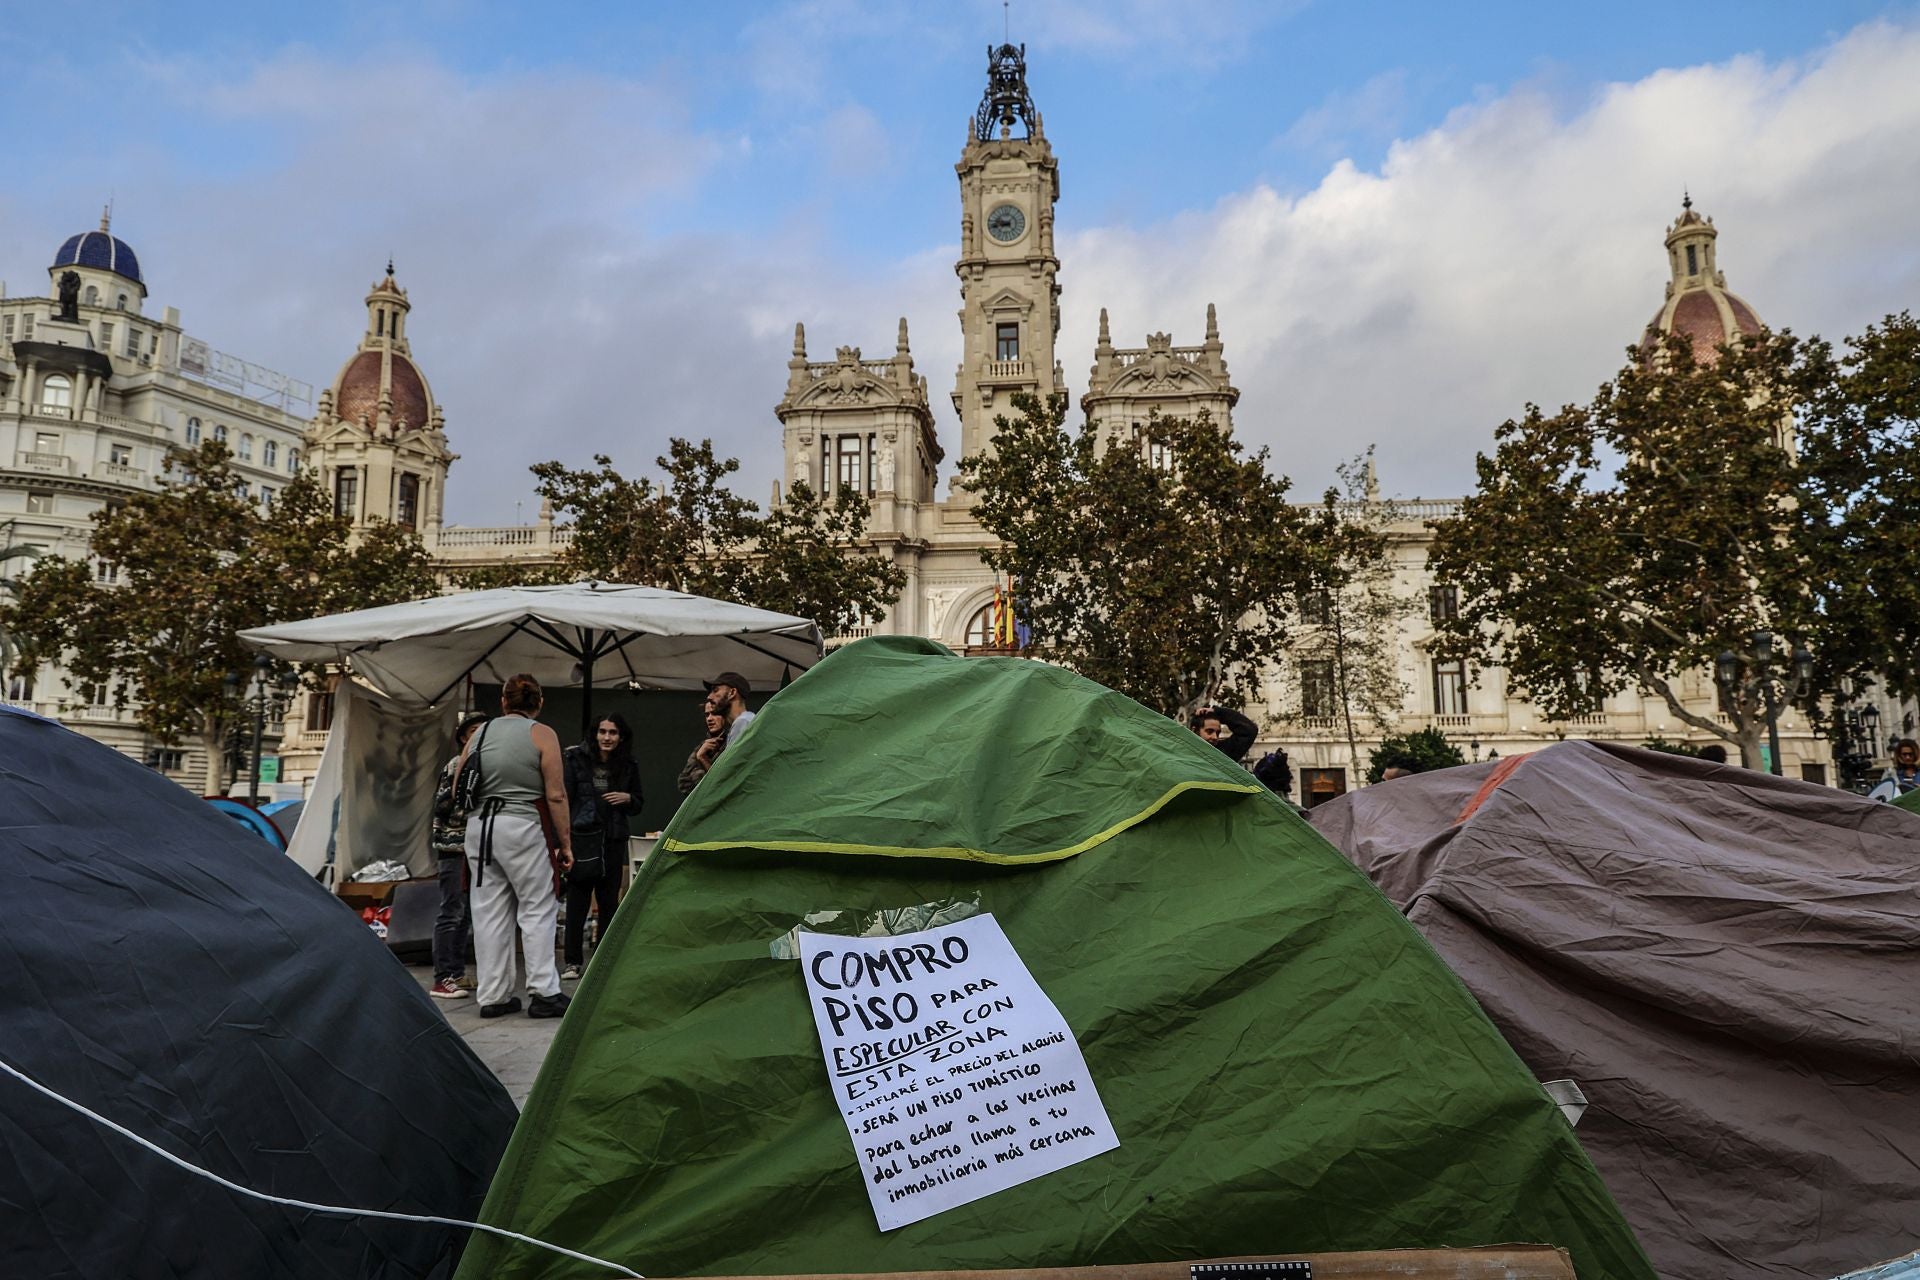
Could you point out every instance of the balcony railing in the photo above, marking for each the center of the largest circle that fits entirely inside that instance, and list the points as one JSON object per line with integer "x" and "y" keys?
{"x": 121, "y": 473}
{"x": 52, "y": 463}
{"x": 1010, "y": 369}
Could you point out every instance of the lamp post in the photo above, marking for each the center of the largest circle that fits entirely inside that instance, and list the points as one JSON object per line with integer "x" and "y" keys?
{"x": 1760, "y": 658}
{"x": 258, "y": 697}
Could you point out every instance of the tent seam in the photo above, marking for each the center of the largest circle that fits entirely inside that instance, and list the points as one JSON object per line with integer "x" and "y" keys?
{"x": 959, "y": 853}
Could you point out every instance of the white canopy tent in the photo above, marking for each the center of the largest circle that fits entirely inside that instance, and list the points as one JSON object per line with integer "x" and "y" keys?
{"x": 411, "y": 663}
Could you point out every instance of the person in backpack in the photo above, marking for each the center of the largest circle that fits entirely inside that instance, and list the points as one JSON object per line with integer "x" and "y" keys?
{"x": 603, "y": 792}
{"x": 518, "y": 767}
{"x": 452, "y": 927}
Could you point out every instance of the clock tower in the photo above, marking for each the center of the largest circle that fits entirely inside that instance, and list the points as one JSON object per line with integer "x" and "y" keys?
{"x": 1009, "y": 291}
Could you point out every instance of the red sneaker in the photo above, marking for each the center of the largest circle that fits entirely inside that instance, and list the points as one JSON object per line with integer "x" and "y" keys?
{"x": 447, "y": 989}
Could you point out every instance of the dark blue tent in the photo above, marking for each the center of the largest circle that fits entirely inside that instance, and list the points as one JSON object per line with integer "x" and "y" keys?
{"x": 172, "y": 972}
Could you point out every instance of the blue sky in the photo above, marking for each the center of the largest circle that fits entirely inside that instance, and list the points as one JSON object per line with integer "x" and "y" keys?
{"x": 610, "y": 216}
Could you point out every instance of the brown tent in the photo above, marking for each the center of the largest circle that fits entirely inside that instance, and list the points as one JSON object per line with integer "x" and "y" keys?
{"x": 1726, "y": 963}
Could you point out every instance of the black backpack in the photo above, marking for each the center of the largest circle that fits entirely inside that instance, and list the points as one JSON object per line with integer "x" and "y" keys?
{"x": 466, "y": 785}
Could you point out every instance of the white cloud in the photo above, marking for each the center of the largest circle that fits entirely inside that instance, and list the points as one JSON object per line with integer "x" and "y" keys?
{"x": 1513, "y": 252}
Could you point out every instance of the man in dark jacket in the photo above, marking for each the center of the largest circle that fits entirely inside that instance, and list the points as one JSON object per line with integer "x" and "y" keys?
{"x": 1226, "y": 729}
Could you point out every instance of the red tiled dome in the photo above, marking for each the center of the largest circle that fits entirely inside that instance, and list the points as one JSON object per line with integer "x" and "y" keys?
{"x": 358, "y": 389}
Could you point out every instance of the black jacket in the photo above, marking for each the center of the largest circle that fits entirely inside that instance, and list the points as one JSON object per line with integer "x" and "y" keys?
{"x": 1241, "y": 731}
{"x": 583, "y": 798}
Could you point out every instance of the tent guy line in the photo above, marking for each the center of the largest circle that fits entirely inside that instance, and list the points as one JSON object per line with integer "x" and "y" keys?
{"x": 190, "y": 1167}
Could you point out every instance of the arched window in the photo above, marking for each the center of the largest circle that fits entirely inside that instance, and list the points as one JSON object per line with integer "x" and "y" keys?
{"x": 193, "y": 431}
{"x": 269, "y": 453}
{"x": 980, "y": 628}
{"x": 56, "y": 393}
{"x": 220, "y": 432}
{"x": 293, "y": 460}
{"x": 91, "y": 297}
{"x": 121, "y": 302}
{"x": 246, "y": 447}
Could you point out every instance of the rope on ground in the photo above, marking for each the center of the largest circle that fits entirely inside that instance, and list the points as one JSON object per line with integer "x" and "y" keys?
{"x": 211, "y": 1176}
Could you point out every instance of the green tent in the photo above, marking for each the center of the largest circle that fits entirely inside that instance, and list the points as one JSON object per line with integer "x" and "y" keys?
{"x": 1910, "y": 801}
{"x": 1286, "y": 1064}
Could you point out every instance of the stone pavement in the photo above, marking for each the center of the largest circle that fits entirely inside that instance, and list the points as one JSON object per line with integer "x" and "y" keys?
{"x": 513, "y": 1046}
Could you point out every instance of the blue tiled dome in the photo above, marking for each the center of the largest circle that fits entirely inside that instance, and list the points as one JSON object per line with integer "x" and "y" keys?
{"x": 100, "y": 249}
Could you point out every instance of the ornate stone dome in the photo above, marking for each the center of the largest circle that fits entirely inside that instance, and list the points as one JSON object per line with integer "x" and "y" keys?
{"x": 1699, "y": 305}
{"x": 382, "y": 374}
{"x": 101, "y": 250}
{"x": 357, "y": 390}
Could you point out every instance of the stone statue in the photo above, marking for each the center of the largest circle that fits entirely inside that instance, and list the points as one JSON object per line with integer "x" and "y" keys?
{"x": 70, "y": 295}
{"x": 886, "y": 470}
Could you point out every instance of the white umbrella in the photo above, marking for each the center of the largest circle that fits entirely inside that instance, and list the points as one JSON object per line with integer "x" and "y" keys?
{"x": 584, "y": 633}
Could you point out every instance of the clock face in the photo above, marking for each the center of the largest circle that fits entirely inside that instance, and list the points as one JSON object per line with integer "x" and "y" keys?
{"x": 1006, "y": 223}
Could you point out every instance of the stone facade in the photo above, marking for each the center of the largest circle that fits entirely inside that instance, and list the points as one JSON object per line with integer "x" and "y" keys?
{"x": 94, "y": 393}
{"x": 1009, "y": 318}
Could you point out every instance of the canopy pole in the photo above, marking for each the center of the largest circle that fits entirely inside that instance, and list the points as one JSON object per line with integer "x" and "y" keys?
{"x": 586, "y": 683}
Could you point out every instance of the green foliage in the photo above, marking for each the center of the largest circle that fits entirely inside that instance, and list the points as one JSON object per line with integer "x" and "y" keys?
{"x": 1421, "y": 751}
{"x": 1620, "y": 544}
{"x": 513, "y": 573}
{"x": 11, "y": 550}
{"x": 198, "y": 562}
{"x": 1671, "y": 748}
{"x": 691, "y": 533}
{"x": 1174, "y": 585}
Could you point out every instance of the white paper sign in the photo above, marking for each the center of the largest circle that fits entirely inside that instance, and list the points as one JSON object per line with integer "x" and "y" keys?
{"x": 956, "y": 1075}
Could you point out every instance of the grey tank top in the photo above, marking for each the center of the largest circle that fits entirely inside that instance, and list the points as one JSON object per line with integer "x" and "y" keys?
{"x": 510, "y": 764}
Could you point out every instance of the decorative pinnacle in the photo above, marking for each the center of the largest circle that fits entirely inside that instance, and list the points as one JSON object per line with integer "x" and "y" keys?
{"x": 106, "y": 216}
{"x": 1213, "y": 325}
{"x": 1686, "y": 198}
{"x": 900, "y": 343}
{"x": 389, "y": 266}
{"x": 1106, "y": 339}
{"x": 800, "y": 340}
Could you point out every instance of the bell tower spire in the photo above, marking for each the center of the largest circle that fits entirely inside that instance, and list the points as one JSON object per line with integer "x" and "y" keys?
{"x": 1009, "y": 291}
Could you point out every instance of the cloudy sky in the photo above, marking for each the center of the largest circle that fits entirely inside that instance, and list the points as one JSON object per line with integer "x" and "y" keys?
{"x": 1413, "y": 220}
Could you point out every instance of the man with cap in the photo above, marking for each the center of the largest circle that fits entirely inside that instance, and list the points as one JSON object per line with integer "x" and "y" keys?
{"x": 727, "y": 696}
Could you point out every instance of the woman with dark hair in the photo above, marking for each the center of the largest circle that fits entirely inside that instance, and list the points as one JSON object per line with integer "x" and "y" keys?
{"x": 518, "y": 760}
{"x": 603, "y": 790}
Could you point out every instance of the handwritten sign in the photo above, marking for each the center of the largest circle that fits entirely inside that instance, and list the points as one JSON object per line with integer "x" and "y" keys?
{"x": 956, "y": 1075}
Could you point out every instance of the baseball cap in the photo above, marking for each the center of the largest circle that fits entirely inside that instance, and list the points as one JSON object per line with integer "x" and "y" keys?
{"x": 733, "y": 678}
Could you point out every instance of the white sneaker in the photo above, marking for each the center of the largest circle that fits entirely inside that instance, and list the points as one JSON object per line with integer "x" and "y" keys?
{"x": 570, "y": 974}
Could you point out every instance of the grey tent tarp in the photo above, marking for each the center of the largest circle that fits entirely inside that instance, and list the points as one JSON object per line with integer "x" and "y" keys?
{"x": 171, "y": 971}
{"x": 1727, "y": 963}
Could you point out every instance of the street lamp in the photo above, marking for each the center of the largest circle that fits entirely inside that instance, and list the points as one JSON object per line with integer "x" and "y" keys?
{"x": 1775, "y": 692}
{"x": 1474, "y": 747}
{"x": 258, "y": 698}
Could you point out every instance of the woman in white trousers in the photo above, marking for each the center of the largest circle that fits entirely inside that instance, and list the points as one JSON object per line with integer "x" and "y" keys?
{"x": 507, "y": 863}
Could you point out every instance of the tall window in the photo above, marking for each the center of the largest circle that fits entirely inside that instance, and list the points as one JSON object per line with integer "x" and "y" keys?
{"x": 106, "y": 335}
{"x": 26, "y": 327}
{"x": 1693, "y": 262}
{"x": 293, "y": 460}
{"x": 1316, "y": 608}
{"x": 346, "y": 492}
{"x": 246, "y": 446}
{"x": 1159, "y": 455}
{"x": 121, "y": 455}
{"x": 1319, "y": 696}
{"x": 980, "y": 629}
{"x": 193, "y": 431}
{"x": 56, "y": 393}
{"x": 1443, "y": 603}
{"x": 1449, "y": 687}
{"x": 121, "y": 302}
{"x": 266, "y": 496}
{"x": 847, "y": 463}
{"x": 6, "y": 328}
{"x": 133, "y": 341}
{"x": 39, "y": 504}
{"x": 406, "y": 512}
{"x": 1006, "y": 343}
{"x": 269, "y": 453}
{"x": 91, "y": 297}
{"x": 872, "y": 461}
{"x": 320, "y": 711}
{"x": 220, "y": 432}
